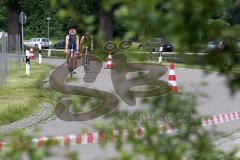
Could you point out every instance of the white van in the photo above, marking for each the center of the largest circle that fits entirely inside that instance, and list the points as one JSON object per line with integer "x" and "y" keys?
{"x": 3, "y": 34}
{"x": 39, "y": 43}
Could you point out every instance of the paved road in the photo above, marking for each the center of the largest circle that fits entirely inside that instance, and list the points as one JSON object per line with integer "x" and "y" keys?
{"x": 219, "y": 101}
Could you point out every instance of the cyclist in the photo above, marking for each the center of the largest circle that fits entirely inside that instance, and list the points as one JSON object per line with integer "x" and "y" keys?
{"x": 86, "y": 41}
{"x": 72, "y": 40}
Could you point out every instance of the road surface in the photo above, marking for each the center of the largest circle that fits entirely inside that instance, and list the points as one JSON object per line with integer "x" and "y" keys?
{"x": 218, "y": 101}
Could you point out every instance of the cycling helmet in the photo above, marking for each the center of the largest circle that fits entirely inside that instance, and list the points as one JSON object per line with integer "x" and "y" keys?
{"x": 72, "y": 31}
{"x": 87, "y": 35}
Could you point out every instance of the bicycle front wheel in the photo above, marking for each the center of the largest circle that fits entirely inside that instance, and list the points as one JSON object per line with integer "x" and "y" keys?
{"x": 71, "y": 67}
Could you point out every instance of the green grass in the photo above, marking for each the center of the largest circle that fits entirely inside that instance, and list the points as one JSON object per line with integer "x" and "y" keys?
{"x": 234, "y": 70}
{"x": 145, "y": 58}
{"x": 54, "y": 54}
{"x": 22, "y": 94}
{"x": 69, "y": 79}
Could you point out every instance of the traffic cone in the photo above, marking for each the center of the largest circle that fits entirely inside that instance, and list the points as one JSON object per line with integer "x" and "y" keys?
{"x": 172, "y": 79}
{"x": 31, "y": 53}
{"x": 109, "y": 62}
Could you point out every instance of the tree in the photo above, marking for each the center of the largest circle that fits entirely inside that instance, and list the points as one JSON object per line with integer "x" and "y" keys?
{"x": 3, "y": 25}
{"x": 183, "y": 23}
{"x": 37, "y": 14}
{"x": 105, "y": 23}
{"x": 89, "y": 15}
{"x": 12, "y": 11}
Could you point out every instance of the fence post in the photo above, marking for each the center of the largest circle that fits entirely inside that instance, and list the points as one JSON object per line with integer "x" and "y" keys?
{"x": 49, "y": 49}
{"x": 39, "y": 58}
{"x": 10, "y": 55}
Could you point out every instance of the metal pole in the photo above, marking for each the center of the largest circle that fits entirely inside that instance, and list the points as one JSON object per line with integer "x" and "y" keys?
{"x": 48, "y": 19}
{"x": 48, "y": 29}
{"x": 22, "y": 36}
{"x": 18, "y": 50}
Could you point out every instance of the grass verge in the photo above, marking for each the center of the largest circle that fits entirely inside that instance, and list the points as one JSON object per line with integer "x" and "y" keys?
{"x": 145, "y": 58}
{"x": 22, "y": 94}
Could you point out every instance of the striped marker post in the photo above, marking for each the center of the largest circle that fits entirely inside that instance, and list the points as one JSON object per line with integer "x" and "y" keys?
{"x": 27, "y": 61}
{"x": 39, "y": 58}
{"x": 160, "y": 55}
{"x": 49, "y": 52}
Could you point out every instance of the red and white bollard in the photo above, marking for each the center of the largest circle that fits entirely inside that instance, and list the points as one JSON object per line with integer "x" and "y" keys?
{"x": 31, "y": 54}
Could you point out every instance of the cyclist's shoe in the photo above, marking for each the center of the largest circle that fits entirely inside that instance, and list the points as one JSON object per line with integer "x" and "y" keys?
{"x": 74, "y": 71}
{"x": 67, "y": 66}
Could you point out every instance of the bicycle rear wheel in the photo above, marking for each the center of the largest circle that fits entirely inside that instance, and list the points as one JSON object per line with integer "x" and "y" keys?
{"x": 86, "y": 62}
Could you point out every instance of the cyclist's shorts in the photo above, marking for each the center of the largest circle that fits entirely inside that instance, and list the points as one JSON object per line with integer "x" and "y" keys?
{"x": 74, "y": 47}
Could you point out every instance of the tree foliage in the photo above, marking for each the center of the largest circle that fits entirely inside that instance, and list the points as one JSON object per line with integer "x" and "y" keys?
{"x": 188, "y": 25}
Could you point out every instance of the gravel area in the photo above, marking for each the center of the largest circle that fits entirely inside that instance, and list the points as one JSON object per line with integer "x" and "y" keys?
{"x": 229, "y": 142}
{"x": 44, "y": 114}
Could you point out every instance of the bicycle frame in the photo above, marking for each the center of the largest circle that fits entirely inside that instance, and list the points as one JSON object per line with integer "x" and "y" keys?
{"x": 71, "y": 61}
{"x": 85, "y": 59}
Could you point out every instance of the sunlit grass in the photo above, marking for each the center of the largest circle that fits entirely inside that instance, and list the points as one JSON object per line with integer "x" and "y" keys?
{"x": 54, "y": 54}
{"x": 22, "y": 94}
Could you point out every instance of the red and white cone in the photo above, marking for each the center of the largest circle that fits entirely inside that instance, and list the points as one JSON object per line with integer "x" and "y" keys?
{"x": 31, "y": 53}
{"x": 109, "y": 62}
{"x": 172, "y": 79}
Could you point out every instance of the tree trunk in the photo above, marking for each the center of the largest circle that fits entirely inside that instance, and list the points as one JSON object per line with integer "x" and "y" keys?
{"x": 106, "y": 24}
{"x": 13, "y": 27}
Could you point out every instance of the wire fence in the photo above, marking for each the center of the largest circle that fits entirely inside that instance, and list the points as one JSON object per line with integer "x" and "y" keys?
{"x": 10, "y": 55}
